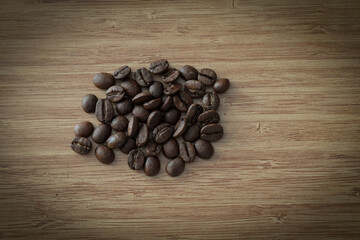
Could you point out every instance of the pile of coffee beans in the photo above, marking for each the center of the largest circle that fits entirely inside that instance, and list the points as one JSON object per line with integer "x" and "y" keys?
{"x": 143, "y": 117}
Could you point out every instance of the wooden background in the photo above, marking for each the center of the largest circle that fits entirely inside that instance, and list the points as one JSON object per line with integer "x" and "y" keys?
{"x": 288, "y": 166}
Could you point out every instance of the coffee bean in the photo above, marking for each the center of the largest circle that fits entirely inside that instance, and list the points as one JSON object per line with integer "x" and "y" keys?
{"x": 153, "y": 104}
{"x": 83, "y": 129}
{"x": 207, "y": 117}
{"x": 81, "y": 145}
{"x": 143, "y": 136}
{"x": 129, "y": 145}
{"x": 167, "y": 103}
{"x": 104, "y": 111}
{"x": 141, "y": 98}
{"x": 119, "y": 123}
{"x": 193, "y": 112}
{"x": 125, "y": 106}
{"x": 140, "y": 112}
{"x": 104, "y": 154}
{"x": 115, "y": 93}
{"x": 143, "y": 77}
{"x": 195, "y": 88}
{"x": 182, "y": 101}
{"x": 131, "y": 87}
{"x": 180, "y": 128}
{"x": 101, "y": 133}
{"x": 204, "y": 149}
{"x": 175, "y": 167}
{"x": 188, "y": 72}
{"x": 187, "y": 152}
{"x": 103, "y": 80}
{"x": 116, "y": 140}
{"x": 171, "y": 148}
{"x": 172, "y": 116}
{"x": 211, "y": 101}
{"x": 158, "y": 66}
{"x": 172, "y": 89}
{"x": 133, "y": 126}
{"x": 154, "y": 119}
{"x": 162, "y": 132}
{"x": 153, "y": 148}
{"x": 192, "y": 133}
{"x": 211, "y": 132}
{"x": 171, "y": 75}
{"x": 207, "y": 76}
{"x": 152, "y": 166}
{"x": 88, "y": 103}
{"x": 221, "y": 85}
{"x": 136, "y": 159}
{"x": 122, "y": 73}
{"x": 156, "y": 89}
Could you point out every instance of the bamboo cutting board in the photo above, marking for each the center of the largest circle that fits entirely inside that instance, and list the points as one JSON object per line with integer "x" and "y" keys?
{"x": 288, "y": 166}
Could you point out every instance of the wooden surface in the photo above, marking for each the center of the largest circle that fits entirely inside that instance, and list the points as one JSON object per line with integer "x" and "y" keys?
{"x": 288, "y": 166}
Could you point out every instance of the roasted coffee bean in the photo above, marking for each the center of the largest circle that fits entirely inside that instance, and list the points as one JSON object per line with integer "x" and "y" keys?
{"x": 122, "y": 73}
{"x": 133, "y": 126}
{"x": 221, "y": 85}
{"x": 153, "y": 148}
{"x": 83, "y": 129}
{"x": 104, "y": 111}
{"x": 180, "y": 128}
{"x": 115, "y": 93}
{"x": 125, "y": 106}
{"x": 153, "y": 104}
{"x": 154, "y": 119}
{"x": 211, "y": 101}
{"x": 141, "y": 98}
{"x": 192, "y": 133}
{"x": 140, "y": 112}
{"x": 104, "y": 154}
{"x": 162, "y": 132}
{"x": 207, "y": 117}
{"x": 143, "y": 77}
{"x": 119, "y": 123}
{"x": 195, "y": 88}
{"x": 204, "y": 149}
{"x": 187, "y": 152}
{"x": 88, "y": 103}
{"x": 211, "y": 132}
{"x": 143, "y": 136}
{"x": 152, "y": 166}
{"x": 116, "y": 140}
{"x": 193, "y": 112}
{"x": 171, "y": 148}
{"x": 175, "y": 167}
{"x": 103, "y": 80}
{"x": 188, "y": 72}
{"x": 131, "y": 87}
{"x": 207, "y": 76}
{"x": 172, "y": 116}
{"x": 172, "y": 89}
{"x": 101, "y": 133}
{"x": 158, "y": 66}
{"x": 182, "y": 101}
{"x": 171, "y": 75}
{"x": 167, "y": 103}
{"x": 136, "y": 159}
{"x": 156, "y": 89}
{"x": 81, "y": 145}
{"x": 129, "y": 145}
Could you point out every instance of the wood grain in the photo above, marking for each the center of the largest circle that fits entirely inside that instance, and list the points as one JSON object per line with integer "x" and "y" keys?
{"x": 288, "y": 166}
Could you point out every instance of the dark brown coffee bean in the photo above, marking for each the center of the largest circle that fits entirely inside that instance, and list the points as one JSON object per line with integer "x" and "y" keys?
{"x": 154, "y": 119}
{"x": 193, "y": 112}
{"x": 136, "y": 159}
{"x": 115, "y": 93}
{"x": 119, "y": 123}
{"x": 171, "y": 148}
{"x": 81, "y": 145}
{"x": 175, "y": 167}
{"x": 143, "y": 77}
{"x": 158, "y": 66}
{"x": 153, "y": 148}
{"x": 172, "y": 116}
{"x": 104, "y": 154}
{"x": 221, "y": 85}
{"x": 187, "y": 152}
{"x": 83, "y": 129}
{"x": 171, "y": 75}
{"x": 156, "y": 89}
{"x": 211, "y": 101}
{"x": 131, "y": 87}
{"x": 162, "y": 132}
{"x": 133, "y": 126}
{"x": 101, "y": 133}
{"x": 152, "y": 166}
{"x": 140, "y": 112}
{"x": 195, "y": 88}
{"x": 182, "y": 101}
{"x": 172, "y": 89}
{"x": 204, "y": 149}
{"x": 207, "y": 76}
{"x": 129, "y": 145}
{"x": 104, "y": 111}
{"x": 103, "y": 80}
{"x": 153, "y": 104}
{"x": 143, "y": 136}
{"x": 180, "y": 128}
{"x": 88, "y": 103}
{"x": 125, "y": 106}
{"x": 188, "y": 72}
{"x": 167, "y": 103}
{"x": 211, "y": 132}
{"x": 122, "y": 73}
{"x": 192, "y": 133}
{"x": 207, "y": 117}
{"x": 116, "y": 140}
{"x": 141, "y": 98}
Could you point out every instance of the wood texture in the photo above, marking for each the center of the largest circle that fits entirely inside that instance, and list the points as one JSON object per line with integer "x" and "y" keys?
{"x": 288, "y": 166}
